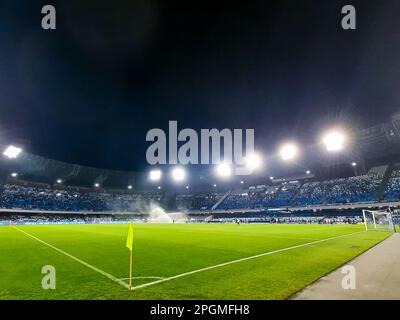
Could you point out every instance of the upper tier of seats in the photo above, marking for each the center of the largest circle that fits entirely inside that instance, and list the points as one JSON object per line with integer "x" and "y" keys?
{"x": 22, "y": 197}
{"x": 393, "y": 190}
{"x": 356, "y": 189}
{"x": 345, "y": 190}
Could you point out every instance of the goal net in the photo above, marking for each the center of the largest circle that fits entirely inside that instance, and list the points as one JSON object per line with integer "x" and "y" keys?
{"x": 378, "y": 220}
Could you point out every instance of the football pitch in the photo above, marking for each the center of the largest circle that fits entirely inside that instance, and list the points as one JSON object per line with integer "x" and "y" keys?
{"x": 175, "y": 261}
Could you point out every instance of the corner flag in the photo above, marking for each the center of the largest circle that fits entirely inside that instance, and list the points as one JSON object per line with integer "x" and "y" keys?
{"x": 129, "y": 240}
{"x": 129, "y": 245}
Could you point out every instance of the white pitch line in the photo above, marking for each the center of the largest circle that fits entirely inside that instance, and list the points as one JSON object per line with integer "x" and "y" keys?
{"x": 109, "y": 276}
{"x": 240, "y": 260}
{"x": 143, "y": 278}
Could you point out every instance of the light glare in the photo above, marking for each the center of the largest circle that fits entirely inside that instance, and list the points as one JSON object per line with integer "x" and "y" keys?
{"x": 12, "y": 152}
{"x": 288, "y": 151}
{"x": 253, "y": 161}
{"x": 155, "y": 175}
{"x": 224, "y": 170}
{"x": 334, "y": 141}
{"x": 178, "y": 174}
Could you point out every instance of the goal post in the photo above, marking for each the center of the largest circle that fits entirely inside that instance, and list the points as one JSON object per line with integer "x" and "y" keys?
{"x": 379, "y": 220}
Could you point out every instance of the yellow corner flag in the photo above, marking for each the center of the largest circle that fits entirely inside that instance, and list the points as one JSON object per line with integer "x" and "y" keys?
{"x": 129, "y": 240}
{"x": 129, "y": 245}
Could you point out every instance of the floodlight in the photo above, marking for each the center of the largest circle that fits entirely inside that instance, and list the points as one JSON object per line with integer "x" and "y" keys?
{"x": 178, "y": 174}
{"x": 224, "y": 170}
{"x": 288, "y": 151}
{"x": 253, "y": 161}
{"x": 96, "y": 185}
{"x": 272, "y": 178}
{"x": 308, "y": 172}
{"x": 214, "y": 185}
{"x": 241, "y": 182}
{"x": 334, "y": 141}
{"x": 14, "y": 174}
{"x": 12, "y": 152}
{"x": 59, "y": 181}
{"x": 159, "y": 187}
{"x": 130, "y": 187}
{"x": 155, "y": 175}
{"x": 187, "y": 187}
{"x": 354, "y": 164}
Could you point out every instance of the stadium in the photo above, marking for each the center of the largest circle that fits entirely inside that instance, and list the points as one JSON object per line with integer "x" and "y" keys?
{"x": 225, "y": 151}
{"x": 190, "y": 230}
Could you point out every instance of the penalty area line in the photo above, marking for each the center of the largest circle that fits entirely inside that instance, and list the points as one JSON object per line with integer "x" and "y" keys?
{"x": 241, "y": 260}
{"x": 107, "y": 275}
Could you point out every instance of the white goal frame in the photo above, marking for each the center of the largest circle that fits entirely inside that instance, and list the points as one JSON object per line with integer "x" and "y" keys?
{"x": 380, "y": 212}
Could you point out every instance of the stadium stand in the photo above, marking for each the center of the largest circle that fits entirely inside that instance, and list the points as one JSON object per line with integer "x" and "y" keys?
{"x": 198, "y": 201}
{"x": 346, "y": 190}
{"x": 34, "y": 198}
{"x": 284, "y": 194}
{"x": 63, "y": 218}
{"x": 393, "y": 190}
{"x": 291, "y": 220}
{"x": 357, "y": 189}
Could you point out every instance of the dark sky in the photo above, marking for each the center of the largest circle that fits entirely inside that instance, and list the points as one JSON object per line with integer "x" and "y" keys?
{"x": 88, "y": 92}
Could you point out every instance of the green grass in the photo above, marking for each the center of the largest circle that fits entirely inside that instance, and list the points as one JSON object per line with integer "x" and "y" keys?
{"x": 168, "y": 250}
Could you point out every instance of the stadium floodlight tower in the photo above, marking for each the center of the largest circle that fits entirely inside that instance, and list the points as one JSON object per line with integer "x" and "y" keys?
{"x": 254, "y": 161}
{"x": 334, "y": 140}
{"x": 379, "y": 220}
{"x": 155, "y": 175}
{"x": 12, "y": 152}
{"x": 224, "y": 170}
{"x": 178, "y": 174}
{"x": 288, "y": 151}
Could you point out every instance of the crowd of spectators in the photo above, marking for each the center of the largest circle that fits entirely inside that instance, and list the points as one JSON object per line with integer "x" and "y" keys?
{"x": 40, "y": 198}
{"x": 237, "y": 200}
{"x": 345, "y": 190}
{"x": 197, "y": 201}
{"x": 290, "y": 220}
{"x": 336, "y": 191}
{"x": 393, "y": 190}
{"x": 65, "y": 218}
{"x": 354, "y": 189}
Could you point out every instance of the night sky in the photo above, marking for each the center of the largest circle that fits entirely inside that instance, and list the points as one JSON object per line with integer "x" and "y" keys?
{"x": 89, "y": 91}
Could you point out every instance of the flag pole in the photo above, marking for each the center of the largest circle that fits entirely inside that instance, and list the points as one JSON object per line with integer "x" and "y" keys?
{"x": 129, "y": 245}
{"x": 130, "y": 271}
